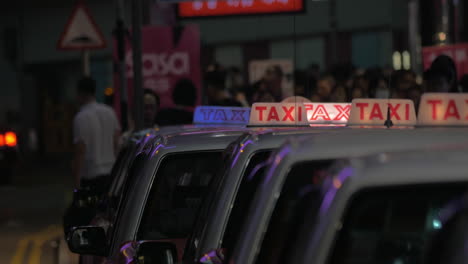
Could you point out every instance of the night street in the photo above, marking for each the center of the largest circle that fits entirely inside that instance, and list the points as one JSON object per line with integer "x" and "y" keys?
{"x": 234, "y": 132}
{"x": 31, "y": 211}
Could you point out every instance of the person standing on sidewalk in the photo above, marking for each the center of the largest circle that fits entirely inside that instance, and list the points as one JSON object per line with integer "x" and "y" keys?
{"x": 96, "y": 133}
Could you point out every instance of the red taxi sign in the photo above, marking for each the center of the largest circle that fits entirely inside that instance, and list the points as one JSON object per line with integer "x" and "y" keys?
{"x": 298, "y": 114}
{"x": 446, "y": 109}
{"x": 374, "y": 112}
{"x": 221, "y": 115}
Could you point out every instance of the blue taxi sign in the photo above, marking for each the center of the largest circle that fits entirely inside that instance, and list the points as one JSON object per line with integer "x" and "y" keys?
{"x": 443, "y": 109}
{"x": 221, "y": 115}
{"x": 375, "y": 112}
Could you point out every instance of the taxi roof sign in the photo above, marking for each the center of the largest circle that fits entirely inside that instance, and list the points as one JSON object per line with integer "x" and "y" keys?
{"x": 375, "y": 112}
{"x": 443, "y": 109}
{"x": 327, "y": 113}
{"x": 298, "y": 114}
{"x": 221, "y": 115}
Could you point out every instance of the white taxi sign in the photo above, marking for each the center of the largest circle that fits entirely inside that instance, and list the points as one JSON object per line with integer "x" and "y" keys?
{"x": 327, "y": 113}
{"x": 298, "y": 114}
{"x": 447, "y": 109}
{"x": 375, "y": 112}
{"x": 221, "y": 115}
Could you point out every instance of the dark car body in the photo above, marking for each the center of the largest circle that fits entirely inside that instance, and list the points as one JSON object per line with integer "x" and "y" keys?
{"x": 223, "y": 213}
{"x": 253, "y": 245}
{"x": 86, "y": 205}
{"x": 122, "y": 223}
{"x": 189, "y": 146}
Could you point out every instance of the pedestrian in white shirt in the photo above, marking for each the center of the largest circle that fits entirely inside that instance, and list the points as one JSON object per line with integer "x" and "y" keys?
{"x": 96, "y": 132}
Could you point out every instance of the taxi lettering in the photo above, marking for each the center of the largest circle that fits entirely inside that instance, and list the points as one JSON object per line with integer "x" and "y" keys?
{"x": 450, "y": 111}
{"x": 397, "y": 112}
{"x": 274, "y": 113}
{"x": 374, "y": 112}
{"x": 443, "y": 109}
{"x": 321, "y": 113}
{"x": 223, "y": 115}
{"x": 299, "y": 114}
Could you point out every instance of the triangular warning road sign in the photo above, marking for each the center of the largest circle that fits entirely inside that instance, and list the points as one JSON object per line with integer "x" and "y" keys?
{"x": 81, "y": 31}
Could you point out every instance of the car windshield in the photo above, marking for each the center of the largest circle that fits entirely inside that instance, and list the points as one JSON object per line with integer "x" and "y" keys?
{"x": 180, "y": 186}
{"x": 392, "y": 225}
{"x": 301, "y": 187}
{"x": 251, "y": 179}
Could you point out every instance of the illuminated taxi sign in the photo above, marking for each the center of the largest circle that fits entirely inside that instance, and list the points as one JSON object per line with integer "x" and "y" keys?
{"x": 221, "y": 115}
{"x": 443, "y": 109}
{"x": 277, "y": 114}
{"x": 375, "y": 112}
{"x": 298, "y": 114}
{"x": 327, "y": 113}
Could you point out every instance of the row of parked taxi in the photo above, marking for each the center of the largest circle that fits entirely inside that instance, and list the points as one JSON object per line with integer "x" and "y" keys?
{"x": 292, "y": 182}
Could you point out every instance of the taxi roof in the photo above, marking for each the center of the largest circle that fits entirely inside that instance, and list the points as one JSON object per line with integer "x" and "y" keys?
{"x": 268, "y": 138}
{"x": 198, "y": 138}
{"x": 430, "y": 165}
{"x": 366, "y": 141}
{"x": 331, "y": 146}
{"x": 163, "y": 134}
{"x": 256, "y": 139}
{"x": 426, "y": 165}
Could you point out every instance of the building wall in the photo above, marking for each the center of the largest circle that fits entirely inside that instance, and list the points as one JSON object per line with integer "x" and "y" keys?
{"x": 38, "y": 84}
{"x": 304, "y": 51}
{"x": 39, "y": 29}
{"x": 370, "y": 49}
{"x": 43, "y": 26}
{"x": 367, "y": 20}
{"x": 9, "y": 99}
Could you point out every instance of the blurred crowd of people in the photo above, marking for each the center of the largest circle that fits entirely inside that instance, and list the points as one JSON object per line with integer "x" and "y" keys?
{"x": 229, "y": 87}
{"x": 340, "y": 83}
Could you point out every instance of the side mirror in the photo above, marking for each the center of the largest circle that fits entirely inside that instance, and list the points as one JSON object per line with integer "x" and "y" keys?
{"x": 155, "y": 252}
{"x": 87, "y": 240}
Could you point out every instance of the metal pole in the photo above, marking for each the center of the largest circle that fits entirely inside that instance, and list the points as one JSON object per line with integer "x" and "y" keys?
{"x": 333, "y": 32}
{"x": 120, "y": 32}
{"x": 137, "y": 63}
{"x": 414, "y": 36}
{"x": 445, "y": 21}
{"x": 456, "y": 22}
{"x": 86, "y": 63}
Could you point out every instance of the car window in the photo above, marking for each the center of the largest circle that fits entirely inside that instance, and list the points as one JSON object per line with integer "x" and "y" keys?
{"x": 116, "y": 209}
{"x": 301, "y": 186}
{"x": 118, "y": 171}
{"x": 392, "y": 225}
{"x": 180, "y": 186}
{"x": 251, "y": 179}
{"x": 211, "y": 198}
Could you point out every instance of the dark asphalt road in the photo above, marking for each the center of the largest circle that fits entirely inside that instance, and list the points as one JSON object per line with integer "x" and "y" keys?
{"x": 30, "y": 213}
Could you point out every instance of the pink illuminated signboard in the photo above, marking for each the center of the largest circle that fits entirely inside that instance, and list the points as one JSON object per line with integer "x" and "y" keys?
{"x": 458, "y": 52}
